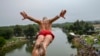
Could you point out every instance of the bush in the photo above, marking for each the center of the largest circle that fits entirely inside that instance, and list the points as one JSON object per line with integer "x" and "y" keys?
{"x": 80, "y": 27}
{"x": 6, "y": 33}
{"x": 18, "y": 30}
{"x": 2, "y": 42}
{"x": 30, "y": 31}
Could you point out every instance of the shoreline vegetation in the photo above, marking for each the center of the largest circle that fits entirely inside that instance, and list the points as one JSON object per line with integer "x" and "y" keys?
{"x": 11, "y": 44}
{"x": 86, "y": 45}
{"x": 12, "y": 37}
{"x": 85, "y": 37}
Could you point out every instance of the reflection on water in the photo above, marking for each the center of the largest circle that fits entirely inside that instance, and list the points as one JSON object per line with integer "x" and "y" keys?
{"x": 59, "y": 47}
{"x": 19, "y": 52}
{"x": 29, "y": 47}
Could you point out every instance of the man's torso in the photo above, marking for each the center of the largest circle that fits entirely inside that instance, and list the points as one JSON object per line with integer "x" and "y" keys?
{"x": 45, "y": 25}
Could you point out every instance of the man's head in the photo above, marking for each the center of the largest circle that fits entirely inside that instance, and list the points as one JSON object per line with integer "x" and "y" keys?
{"x": 44, "y": 18}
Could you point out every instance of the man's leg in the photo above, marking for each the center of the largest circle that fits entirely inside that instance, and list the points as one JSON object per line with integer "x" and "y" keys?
{"x": 48, "y": 39}
{"x": 39, "y": 40}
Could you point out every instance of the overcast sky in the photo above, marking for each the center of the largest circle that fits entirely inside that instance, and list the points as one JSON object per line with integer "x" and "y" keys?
{"x": 76, "y": 9}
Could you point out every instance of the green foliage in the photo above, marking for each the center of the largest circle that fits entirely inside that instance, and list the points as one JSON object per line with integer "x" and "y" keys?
{"x": 6, "y": 33}
{"x": 11, "y": 47}
{"x": 2, "y": 41}
{"x": 18, "y": 30}
{"x": 30, "y": 31}
{"x": 79, "y": 27}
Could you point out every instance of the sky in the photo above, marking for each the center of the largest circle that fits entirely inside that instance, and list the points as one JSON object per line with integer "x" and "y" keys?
{"x": 87, "y": 10}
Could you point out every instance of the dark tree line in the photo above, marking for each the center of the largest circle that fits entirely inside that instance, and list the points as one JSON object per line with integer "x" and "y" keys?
{"x": 79, "y": 27}
{"x": 7, "y": 32}
{"x": 18, "y": 30}
{"x": 28, "y": 31}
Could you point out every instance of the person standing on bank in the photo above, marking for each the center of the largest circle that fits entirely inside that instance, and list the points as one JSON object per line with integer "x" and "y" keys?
{"x": 45, "y": 35}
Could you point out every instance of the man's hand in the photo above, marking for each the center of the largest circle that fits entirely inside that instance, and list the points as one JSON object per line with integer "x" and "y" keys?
{"x": 63, "y": 12}
{"x": 25, "y": 16}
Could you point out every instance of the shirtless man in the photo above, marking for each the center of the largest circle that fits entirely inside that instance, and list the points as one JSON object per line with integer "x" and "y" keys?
{"x": 45, "y": 36}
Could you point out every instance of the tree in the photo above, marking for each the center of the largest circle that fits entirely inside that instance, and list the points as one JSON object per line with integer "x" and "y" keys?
{"x": 18, "y": 30}
{"x": 80, "y": 27}
{"x": 2, "y": 42}
{"x": 30, "y": 31}
{"x": 6, "y": 33}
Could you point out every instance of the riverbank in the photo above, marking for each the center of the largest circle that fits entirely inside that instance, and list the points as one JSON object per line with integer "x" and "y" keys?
{"x": 87, "y": 45}
{"x": 59, "y": 47}
{"x": 11, "y": 44}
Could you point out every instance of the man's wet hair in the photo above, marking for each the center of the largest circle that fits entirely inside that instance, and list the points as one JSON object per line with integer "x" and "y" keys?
{"x": 44, "y": 18}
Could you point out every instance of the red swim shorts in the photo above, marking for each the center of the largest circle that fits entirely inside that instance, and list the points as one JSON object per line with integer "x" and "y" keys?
{"x": 45, "y": 32}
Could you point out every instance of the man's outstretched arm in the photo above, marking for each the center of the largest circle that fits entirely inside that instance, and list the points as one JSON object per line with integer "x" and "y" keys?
{"x": 25, "y": 16}
{"x": 62, "y": 13}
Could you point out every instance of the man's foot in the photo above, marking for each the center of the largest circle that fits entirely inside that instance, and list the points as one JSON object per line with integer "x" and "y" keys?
{"x": 41, "y": 50}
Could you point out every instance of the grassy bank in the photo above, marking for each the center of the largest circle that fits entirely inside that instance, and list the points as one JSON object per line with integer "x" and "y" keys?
{"x": 11, "y": 44}
{"x": 86, "y": 44}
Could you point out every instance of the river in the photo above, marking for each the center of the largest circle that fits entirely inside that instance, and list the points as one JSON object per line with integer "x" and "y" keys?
{"x": 59, "y": 47}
